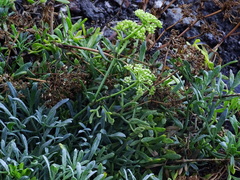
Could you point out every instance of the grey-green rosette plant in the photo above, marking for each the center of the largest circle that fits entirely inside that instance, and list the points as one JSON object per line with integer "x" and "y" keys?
{"x": 131, "y": 29}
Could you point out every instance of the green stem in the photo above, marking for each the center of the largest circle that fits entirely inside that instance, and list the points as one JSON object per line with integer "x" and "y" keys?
{"x": 117, "y": 93}
{"x": 105, "y": 97}
{"x": 134, "y": 32}
{"x": 98, "y": 91}
{"x": 79, "y": 113}
{"x": 104, "y": 79}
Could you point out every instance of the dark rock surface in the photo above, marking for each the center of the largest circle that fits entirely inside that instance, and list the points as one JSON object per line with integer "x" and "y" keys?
{"x": 88, "y": 9}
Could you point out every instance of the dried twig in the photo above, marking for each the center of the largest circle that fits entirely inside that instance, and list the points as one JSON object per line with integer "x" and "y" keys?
{"x": 189, "y": 161}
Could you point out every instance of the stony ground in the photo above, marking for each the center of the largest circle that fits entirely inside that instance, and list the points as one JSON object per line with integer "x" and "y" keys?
{"x": 215, "y": 22}
{"x": 209, "y": 20}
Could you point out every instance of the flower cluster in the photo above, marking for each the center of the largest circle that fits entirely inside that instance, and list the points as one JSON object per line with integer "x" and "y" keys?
{"x": 142, "y": 77}
{"x": 149, "y": 20}
{"x": 128, "y": 26}
{"x": 133, "y": 30}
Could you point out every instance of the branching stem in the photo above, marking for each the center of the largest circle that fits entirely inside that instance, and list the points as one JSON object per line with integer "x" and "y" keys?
{"x": 119, "y": 92}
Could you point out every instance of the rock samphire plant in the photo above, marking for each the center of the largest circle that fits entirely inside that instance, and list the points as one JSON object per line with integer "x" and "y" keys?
{"x": 80, "y": 106}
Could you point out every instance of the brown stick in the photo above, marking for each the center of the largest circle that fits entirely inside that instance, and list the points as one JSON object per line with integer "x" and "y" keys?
{"x": 34, "y": 79}
{"x": 229, "y": 34}
{"x": 95, "y": 50}
{"x": 189, "y": 161}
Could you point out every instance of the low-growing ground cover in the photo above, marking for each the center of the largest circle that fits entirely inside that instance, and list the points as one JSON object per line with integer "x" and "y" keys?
{"x": 77, "y": 105}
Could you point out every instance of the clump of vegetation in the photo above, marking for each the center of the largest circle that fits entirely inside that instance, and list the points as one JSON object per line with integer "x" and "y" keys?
{"x": 75, "y": 105}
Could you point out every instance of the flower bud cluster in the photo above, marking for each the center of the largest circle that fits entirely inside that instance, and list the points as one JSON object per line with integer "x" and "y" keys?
{"x": 149, "y": 20}
{"x": 143, "y": 76}
{"x": 136, "y": 31}
{"x": 128, "y": 26}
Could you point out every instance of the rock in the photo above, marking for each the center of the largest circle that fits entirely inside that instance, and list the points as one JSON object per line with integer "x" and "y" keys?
{"x": 173, "y": 15}
{"x": 158, "y": 4}
{"x": 123, "y": 3}
{"x": 87, "y": 9}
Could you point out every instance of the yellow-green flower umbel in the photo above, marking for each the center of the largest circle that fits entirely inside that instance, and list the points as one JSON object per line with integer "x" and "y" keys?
{"x": 131, "y": 29}
{"x": 143, "y": 78}
{"x": 128, "y": 26}
{"x": 150, "y": 21}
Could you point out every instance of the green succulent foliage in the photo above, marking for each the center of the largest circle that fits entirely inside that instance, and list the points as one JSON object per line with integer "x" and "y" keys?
{"x": 75, "y": 167}
{"x": 5, "y": 5}
{"x": 52, "y": 49}
{"x": 19, "y": 172}
{"x": 21, "y": 45}
{"x": 211, "y": 101}
{"x": 44, "y": 1}
{"x": 28, "y": 150}
{"x": 199, "y": 46}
